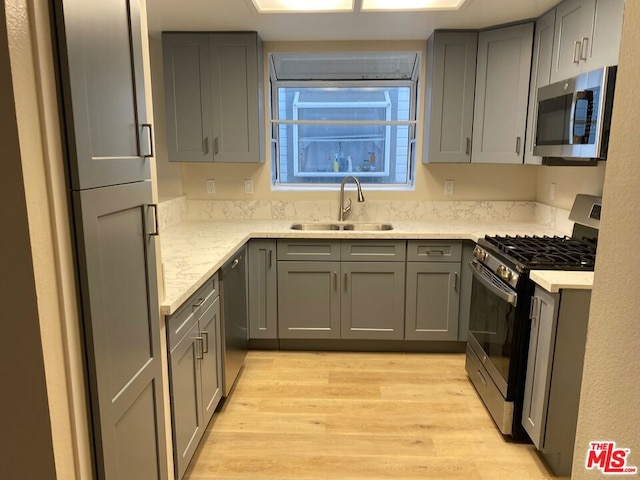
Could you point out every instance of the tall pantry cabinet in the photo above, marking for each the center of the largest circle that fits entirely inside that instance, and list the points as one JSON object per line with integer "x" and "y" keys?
{"x": 108, "y": 142}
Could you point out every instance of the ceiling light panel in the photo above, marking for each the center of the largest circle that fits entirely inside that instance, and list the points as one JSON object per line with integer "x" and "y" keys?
{"x": 307, "y": 6}
{"x": 391, "y": 5}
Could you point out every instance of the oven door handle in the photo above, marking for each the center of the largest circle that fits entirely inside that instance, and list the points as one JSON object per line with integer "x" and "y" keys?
{"x": 490, "y": 281}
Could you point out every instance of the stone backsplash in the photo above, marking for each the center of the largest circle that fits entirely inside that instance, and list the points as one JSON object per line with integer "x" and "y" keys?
{"x": 173, "y": 211}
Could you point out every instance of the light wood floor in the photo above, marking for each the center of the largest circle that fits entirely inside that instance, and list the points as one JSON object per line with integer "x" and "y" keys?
{"x": 332, "y": 415}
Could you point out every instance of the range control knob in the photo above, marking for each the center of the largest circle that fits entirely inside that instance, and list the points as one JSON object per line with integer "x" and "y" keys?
{"x": 480, "y": 254}
{"x": 504, "y": 273}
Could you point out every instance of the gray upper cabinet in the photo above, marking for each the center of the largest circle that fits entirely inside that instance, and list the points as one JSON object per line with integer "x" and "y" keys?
{"x": 540, "y": 77}
{"x": 263, "y": 281}
{"x": 502, "y": 92}
{"x": 451, "y": 76}
{"x": 587, "y": 36}
{"x": 102, "y": 80}
{"x": 213, "y": 84}
{"x": 187, "y": 78}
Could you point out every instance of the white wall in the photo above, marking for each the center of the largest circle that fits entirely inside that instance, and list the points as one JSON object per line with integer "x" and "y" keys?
{"x": 473, "y": 182}
{"x": 610, "y": 401}
{"x": 569, "y": 181}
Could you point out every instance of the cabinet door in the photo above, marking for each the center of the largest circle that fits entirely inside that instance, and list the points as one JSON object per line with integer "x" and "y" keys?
{"x": 211, "y": 364}
{"x": 502, "y": 94}
{"x": 186, "y": 400}
{"x": 539, "y": 365}
{"x": 121, "y": 324}
{"x": 604, "y": 47}
{"x": 540, "y": 76}
{"x": 451, "y": 69}
{"x": 187, "y": 80}
{"x": 574, "y": 23}
{"x": 100, "y": 49}
{"x": 263, "y": 302}
{"x": 236, "y": 73}
{"x": 372, "y": 300}
{"x": 309, "y": 299}
{"x": 433, "y": 299}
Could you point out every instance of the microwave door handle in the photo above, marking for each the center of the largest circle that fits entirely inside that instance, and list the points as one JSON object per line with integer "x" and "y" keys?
{"x": 572, "y": 118}
{"x": 581, "y": 95}
{"x": 483, "y": 275}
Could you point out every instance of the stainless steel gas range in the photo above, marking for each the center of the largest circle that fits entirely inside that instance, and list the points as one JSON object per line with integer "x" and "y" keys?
{"x": 501, "y": 294}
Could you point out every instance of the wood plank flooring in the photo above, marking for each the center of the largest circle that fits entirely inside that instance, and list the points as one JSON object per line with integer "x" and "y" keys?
{"x": 333, "y": 415}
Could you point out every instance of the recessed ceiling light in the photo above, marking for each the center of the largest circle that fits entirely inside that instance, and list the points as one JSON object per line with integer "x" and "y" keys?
{"x": 387, "y": 5}
{"x": 297, "y": 6}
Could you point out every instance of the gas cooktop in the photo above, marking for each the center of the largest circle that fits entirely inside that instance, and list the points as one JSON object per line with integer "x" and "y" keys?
{"x": 545, "y": 253}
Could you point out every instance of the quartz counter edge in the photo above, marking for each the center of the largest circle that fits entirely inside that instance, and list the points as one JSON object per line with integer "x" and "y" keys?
{"x": 555, "y": 280}
{"x": 193, "y": 251}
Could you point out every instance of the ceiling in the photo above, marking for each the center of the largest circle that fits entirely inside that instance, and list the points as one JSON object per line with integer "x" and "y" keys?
{"x": 208, "y": 15}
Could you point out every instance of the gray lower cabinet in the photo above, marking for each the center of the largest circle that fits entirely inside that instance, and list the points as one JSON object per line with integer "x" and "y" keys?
{"x": 355, "y": 289}
{"x": 372, "y": 303}
{"x": 502, "y": 94}
{"x": 308, "y": 299}
{"x": 451, "y": 79}
{"x": 213, "y": 84}
{"x": 195, "y": 370}
{"x": 554, "y": 373}
{"x": 433, "y": 290}
{"x": 263, "y": 285}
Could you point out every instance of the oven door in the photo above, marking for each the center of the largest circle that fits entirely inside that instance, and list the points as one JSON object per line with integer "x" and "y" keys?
{"x": 492, "y": 323}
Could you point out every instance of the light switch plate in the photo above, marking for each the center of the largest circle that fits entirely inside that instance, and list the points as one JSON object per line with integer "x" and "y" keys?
{"x": 449, "y": 186}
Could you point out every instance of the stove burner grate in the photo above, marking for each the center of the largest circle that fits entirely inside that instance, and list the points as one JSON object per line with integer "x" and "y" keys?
{"x": 547, "y": 252}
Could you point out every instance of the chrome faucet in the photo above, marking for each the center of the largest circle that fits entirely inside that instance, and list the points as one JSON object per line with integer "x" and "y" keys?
{"x": 344, "y": 210}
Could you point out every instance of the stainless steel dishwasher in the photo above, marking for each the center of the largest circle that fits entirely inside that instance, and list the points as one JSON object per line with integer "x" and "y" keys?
{"x": 233, "y": 290}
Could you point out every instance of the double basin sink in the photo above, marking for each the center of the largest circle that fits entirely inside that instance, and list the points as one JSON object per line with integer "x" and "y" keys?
{"x": 361, "y": 227}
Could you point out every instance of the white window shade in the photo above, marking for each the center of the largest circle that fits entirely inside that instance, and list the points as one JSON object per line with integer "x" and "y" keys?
{"x": 345, "y": 66}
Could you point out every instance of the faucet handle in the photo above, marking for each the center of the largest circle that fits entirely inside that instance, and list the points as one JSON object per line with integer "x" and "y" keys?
{"x": 348, "y": 207}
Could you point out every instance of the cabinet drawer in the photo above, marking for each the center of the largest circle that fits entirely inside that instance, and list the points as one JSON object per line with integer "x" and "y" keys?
{"x": 374, "y": 251}
{"x": 180, "y": 322}
{"x": 308, "y": 250}
{"x": 434, "y": 251}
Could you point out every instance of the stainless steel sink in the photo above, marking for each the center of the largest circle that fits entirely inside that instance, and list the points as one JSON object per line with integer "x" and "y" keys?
{"x": 362, "y": 227}
{"x": 315, "y": 226}
{"x": 368, "y": 227}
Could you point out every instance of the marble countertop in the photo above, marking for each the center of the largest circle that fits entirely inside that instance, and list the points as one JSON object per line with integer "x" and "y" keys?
{"x": 553, "y": 280}
{"x": 192, "y": 251}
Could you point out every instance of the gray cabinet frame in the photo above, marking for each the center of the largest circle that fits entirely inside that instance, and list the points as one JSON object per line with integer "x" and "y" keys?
{"x": 263, "y": 289}
{"x": 451, "y": 80}
{"x": 195, "y": 370}
{"x": 502, "y": 94}
{"x": 214, "y": 97}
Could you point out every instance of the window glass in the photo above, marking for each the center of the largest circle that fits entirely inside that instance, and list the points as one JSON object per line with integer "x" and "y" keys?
{"x": 332, "y": 129}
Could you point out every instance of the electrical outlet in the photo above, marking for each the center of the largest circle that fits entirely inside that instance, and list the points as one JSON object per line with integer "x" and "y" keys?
{"x": 248, "y": 187}
{"x": 449, "y": 186}
{"x": 211, "y": 186}
{"x": 552, "y": 191}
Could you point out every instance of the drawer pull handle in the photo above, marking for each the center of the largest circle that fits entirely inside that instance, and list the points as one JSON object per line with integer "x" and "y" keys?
{"x": 205, "y": 345}
{"x": 199, "y": 348}
{"x": 482, "y": 379}
{"x": 435, "y": 252}
{"x": 198, "y": 303}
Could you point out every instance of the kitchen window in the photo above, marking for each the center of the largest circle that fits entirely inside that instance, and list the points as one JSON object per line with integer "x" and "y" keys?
{"x": 343, "y": 114}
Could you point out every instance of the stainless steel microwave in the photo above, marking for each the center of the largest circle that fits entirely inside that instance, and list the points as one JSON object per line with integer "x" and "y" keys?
{"x": 573, "y": 116}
